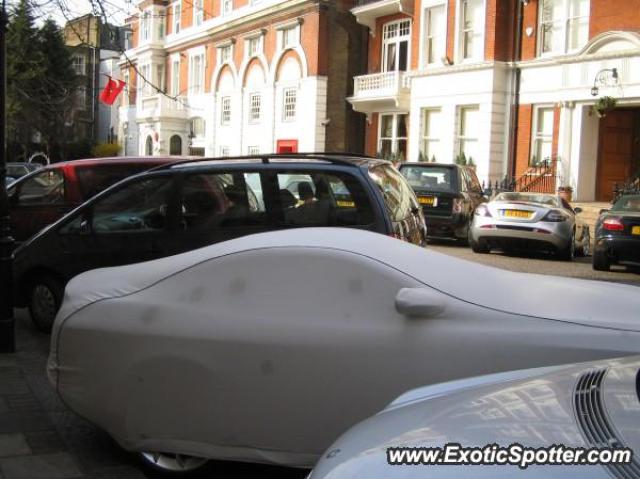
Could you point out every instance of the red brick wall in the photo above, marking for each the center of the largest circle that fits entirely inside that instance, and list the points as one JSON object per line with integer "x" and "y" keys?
{"x": 500, "y": 29}
{"x": 556, "y": 132}
{"x": 530, "y": 20}
{"x": 608, "y": 15}
{"x": 523, "y": 141}
{"x": 451, "y": 29}
{"x": 375, "y": 43}
{"x": 371, "y": 136}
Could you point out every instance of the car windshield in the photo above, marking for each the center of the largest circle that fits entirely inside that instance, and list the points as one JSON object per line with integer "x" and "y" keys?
{"x": 429, "y": 178}
{"x": 627, "y": 203}
{"x": 528, "y": 198}
{"x": 16, "y": 171}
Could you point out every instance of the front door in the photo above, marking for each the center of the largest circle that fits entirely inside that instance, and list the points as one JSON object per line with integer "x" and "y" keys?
{"x": 615, "y": 152}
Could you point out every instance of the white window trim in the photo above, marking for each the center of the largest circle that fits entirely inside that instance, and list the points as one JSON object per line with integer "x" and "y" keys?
{"x": 426, "y": 4}
{"x": 458, "y": 34}
{"x": 83, "y": 62}
{"x": 423, "y": 137}
{"x": 223, "y": 10}
{"x": 293, "y": 118}
{"x": 383, "y": 51}
{"x": 534, "y": 130}
{"x": 197, "y": 12}
{"x": 223, "y": 121}
{"x": 565, "y": 32}
{"x": 221, "y": 46}
{"x": 394, "y": 131}
{"x": 254, "y": 121}
{"x": 460, "y": 138}
{"x": 177, "y": 19}
{"x": 295, "y": 25}
{"x": 145, "y": 21}
{"x": 253, "y": 150}
{"x": 175, "y": 59}
{"x": 200, "y": 51}
{"x": 247, "y": 41}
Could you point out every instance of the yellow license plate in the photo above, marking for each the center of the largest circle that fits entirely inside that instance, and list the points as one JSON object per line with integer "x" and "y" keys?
{"x": 345, "y": 204}
{"x": 517, "y": 214}
{"x": 427, "y": 200}
{"x": 635, "y": 230}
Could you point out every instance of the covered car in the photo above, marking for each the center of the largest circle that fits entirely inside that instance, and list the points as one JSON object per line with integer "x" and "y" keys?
{"x": 586, "y": 406}
{"x": 267, "y": 347}
{"x": 532, "y": 221}
{"x": 618, "y": 234}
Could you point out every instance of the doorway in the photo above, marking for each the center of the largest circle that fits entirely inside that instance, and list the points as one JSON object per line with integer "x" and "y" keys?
{"x": 618, "y": 150}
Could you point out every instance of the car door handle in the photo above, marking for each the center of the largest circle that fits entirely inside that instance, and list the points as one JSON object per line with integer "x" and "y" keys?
{"x": 419, "y": 302}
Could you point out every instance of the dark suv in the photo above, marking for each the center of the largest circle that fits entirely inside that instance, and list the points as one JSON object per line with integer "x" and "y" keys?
{"x": 176, "y": 208}
{"x": 448, "y": 194}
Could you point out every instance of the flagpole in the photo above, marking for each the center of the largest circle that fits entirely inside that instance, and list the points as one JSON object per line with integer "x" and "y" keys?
{"x": 7, "y": 321}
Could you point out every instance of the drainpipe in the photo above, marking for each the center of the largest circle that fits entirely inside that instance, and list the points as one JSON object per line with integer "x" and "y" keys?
{"x": 515, "y": 82}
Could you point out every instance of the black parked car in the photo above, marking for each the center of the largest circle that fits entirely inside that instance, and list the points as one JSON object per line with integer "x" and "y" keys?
{"x": 618, "y": 234}
{"x": 186, "y": 205}
{"x": 448, "y": 194}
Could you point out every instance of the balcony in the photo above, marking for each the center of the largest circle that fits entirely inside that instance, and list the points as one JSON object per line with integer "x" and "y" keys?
{"x": 367, "y": 11}
{"x": 381, "y": 92}
{"x": 156, "y": 107}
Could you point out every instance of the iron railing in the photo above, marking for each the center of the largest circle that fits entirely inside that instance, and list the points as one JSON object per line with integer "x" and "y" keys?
{"x": 540, "y": 178}
{"x": 628, "y": 187}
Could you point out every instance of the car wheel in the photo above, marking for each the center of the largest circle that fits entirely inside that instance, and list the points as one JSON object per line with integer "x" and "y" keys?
{"x": 466, "y": 239}
{"x": 586, "y": 243}
{"x": 170, "y": 463}
{"x": 45, "y": 296}
{"x": 569, "y": 253}
{"x": 480, "y": 246}
{"x": 600, "y": 261}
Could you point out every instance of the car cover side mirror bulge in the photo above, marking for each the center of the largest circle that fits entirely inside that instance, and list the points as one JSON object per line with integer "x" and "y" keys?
{"x": 419, "y": 302}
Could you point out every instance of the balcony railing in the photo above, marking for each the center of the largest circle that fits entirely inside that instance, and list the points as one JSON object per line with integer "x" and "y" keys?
{"x": 380, "y": 84}
{"x": 161, "y": 105}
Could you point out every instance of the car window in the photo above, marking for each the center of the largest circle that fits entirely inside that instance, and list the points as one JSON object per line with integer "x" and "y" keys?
{"x": 542, "y": 199}
{"x": 220, "y": 200}
{"x": 46, "y": 188}
{"x": 398, "y": 197}
{"x": 432, "y": 178}
{"x": 323, "y": 199}
{"x": 93, "y": 179}
{"x": 627, "y": 203}
{"x": 138, "y": 206}
{"x": 16, "y": 171}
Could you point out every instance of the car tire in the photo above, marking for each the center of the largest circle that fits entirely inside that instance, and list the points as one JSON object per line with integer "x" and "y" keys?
{"x": 480, "y": 246}
{"x": 45, "y": 297}
{"x": 600, "y": 261}
{"x": 172, "y": 464}
{"x": 569, "y": 253}
{"x": 586, "y": 243}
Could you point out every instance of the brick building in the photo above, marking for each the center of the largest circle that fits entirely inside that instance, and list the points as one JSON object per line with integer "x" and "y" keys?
{"x": 241, "y": 77}
{"x": 509, "y": 83}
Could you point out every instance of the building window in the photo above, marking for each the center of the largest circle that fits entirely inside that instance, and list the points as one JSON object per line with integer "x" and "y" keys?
{"x": 471, "y": 30}
{"x": 393, "y": 136}
{"x": 145, "y": 26}
{"x": 253, "y": 150}
{"x": 542, "y": 135}
{"x": 290, "y": 37}
{"x": 227, "y": 7}
{"x": 128, "y": 39}
{"x": 224, "y": 54}
{"x": 255, "y": 104}
{"x": 161, "y": 28}
{"x": 175, "y": 77}
{"x": 431, "y": 133}
{"x": 224, "y": 151}
{"x": 253, "y": 46}
{"x": 126, "y": 78}
{"x": 564, "y": 25}
{"x": 160, "y": 78}
{"x": 197, "y": 127}
{"x": 79, "y": 66}
{"x": 198, "y": 12}
{"x": 225, "y": 116}
{"x": 196, "y": 74}
{"x": 175, "y": 145}
{"x": 82, "y": 97}
{"x": 396, "y": 39}
{"x": 290, "y": 98}
{"x": 435, "y": 34}
{"x": 144, "y": 80}
{"x": 468, "y": 122}
{"x": 177, "y": 15}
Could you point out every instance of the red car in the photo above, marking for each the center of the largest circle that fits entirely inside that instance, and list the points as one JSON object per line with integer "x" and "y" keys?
{"x": 43, "y": 196}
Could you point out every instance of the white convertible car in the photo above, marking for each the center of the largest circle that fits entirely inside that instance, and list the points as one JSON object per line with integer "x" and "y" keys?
{"x": 268, "y": 347}
{"x": 577, "y": 406}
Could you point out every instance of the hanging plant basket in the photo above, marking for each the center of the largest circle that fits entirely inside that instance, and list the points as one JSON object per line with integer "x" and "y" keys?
{"x": 603, "y": 106}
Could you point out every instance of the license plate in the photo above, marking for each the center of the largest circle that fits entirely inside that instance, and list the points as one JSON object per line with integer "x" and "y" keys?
{"x": 345, "y": 204}
{"x": 428, "y": 200}
{"x": 635, "y": 230}
{"x": 517, "y": 214}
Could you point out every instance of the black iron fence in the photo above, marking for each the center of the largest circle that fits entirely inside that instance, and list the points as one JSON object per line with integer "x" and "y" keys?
{"x": 629, "y": 187}
{"x": 539, "y": 178}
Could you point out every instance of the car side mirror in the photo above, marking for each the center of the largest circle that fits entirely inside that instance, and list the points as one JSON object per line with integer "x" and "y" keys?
{"x": 419, "y": 302}
{"x": 577, "y": 210}
{"x": 603, "y": 210}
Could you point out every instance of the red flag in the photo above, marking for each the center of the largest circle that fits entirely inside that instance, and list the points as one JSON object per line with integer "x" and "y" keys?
{"x": 111, "y": 91}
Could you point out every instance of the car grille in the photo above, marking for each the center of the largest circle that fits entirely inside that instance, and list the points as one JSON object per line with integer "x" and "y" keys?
{"x": 591, "y": 416}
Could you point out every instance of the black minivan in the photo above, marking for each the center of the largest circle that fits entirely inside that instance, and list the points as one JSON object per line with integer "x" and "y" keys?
{"x": 448, "y": 194}
{"x": 193, "y": 203}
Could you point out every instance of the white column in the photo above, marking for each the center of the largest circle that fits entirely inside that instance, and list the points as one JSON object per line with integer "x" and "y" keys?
{"x": 568, "y": 175}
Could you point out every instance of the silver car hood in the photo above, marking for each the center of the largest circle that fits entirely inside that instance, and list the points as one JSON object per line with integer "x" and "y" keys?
{"x": 590, "y": 303}
{"x": 534, "y": 408}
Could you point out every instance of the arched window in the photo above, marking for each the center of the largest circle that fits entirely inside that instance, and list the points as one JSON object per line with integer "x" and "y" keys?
{"x": 175, "y": 145}
{"x": 148, "y": 148}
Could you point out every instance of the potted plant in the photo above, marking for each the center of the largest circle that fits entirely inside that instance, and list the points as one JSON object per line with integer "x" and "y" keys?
{"x": 461, "y": 159}
{"x": 603, "y": 106}
{"x": 471, "y": 164}
{"x": 565, "y": 192}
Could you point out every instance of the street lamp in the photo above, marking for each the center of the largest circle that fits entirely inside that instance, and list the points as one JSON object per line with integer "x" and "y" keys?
{"x": 7, "y": 333}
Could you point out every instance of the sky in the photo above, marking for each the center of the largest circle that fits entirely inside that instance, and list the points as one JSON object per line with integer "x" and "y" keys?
{"x": 60, "y": 10}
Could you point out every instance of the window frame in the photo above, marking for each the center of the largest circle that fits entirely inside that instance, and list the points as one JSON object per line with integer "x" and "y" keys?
{"x": 538, "y": 137}
{"x": 255, "y": 119}
{"x": 426, "y": 32}
{"x": 198, "y": 12}
{"x": 145, "y": 26}
{"x": 196, "y": 88}
{"x": 396, "y": 40}
{"x": 289, "y": 114}
{"x": 461, "y": 32}
{"x": 565, "y": 28}
{"x": 461, "y": 137}
{"x": 394, "y": 138}
{"x": 176, "y": 10}
{"x": 224, "y": 53}
{"x": 175, "y": 76}
{"x": 424, "y": 138}
{"x": 225, "y": 110}
{"x": 82, "y": 63}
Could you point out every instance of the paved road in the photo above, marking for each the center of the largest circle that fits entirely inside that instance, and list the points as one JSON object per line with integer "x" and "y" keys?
{"x": 540, "y": 263}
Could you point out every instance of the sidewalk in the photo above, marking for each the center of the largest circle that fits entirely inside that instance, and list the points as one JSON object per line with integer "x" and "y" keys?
{"x": 39, "y": 437}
